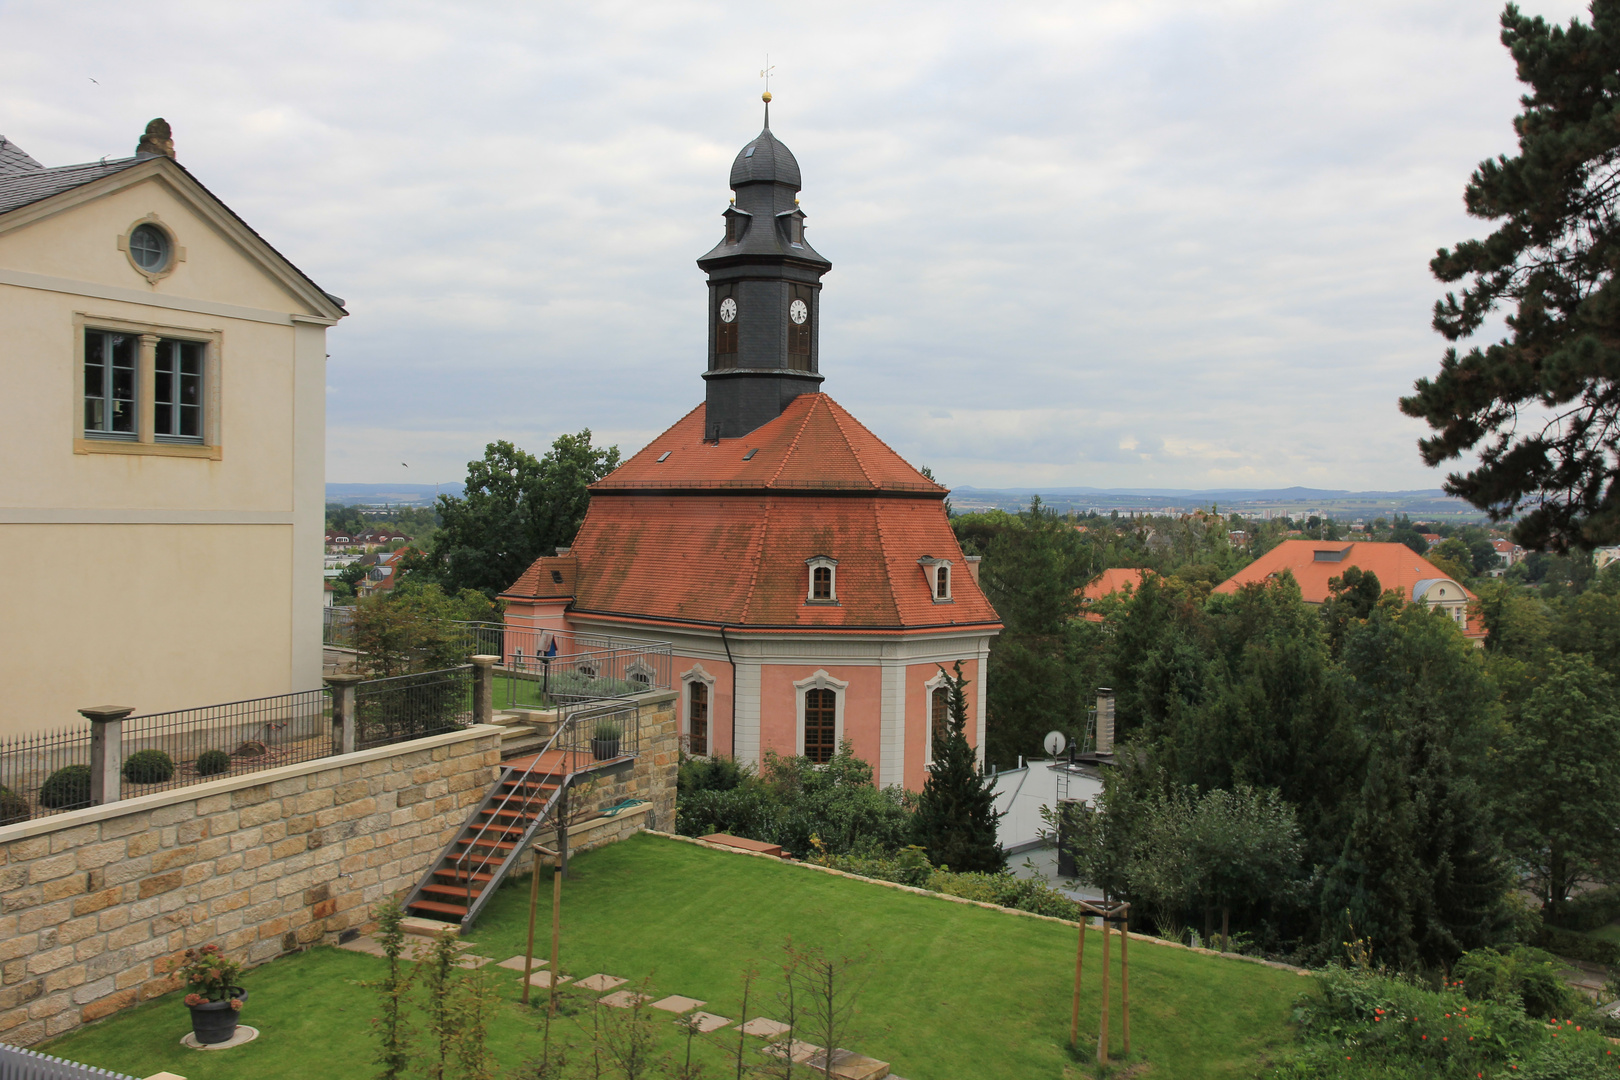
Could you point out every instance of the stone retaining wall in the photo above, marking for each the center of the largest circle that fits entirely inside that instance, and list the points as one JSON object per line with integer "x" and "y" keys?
{"x": 97, "y": 906}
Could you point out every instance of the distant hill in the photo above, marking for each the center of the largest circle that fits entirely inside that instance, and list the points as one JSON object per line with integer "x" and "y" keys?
{"x": 1260, "y": 502}
{"x": 390, "y": 494}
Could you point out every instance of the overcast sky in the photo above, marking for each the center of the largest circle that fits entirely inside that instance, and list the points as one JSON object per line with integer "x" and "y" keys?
{"x": 1141, "y": 243}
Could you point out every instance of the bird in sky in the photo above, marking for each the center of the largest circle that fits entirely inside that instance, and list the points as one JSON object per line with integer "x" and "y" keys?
{"x": 406, "y": 464}
{"x": 94, "y": 80}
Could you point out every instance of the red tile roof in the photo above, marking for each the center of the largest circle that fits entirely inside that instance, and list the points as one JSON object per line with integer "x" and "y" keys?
{"x": 814, "y": 445}
{"x": 706, "y": 537}
{"x": 1396, "y": 565}
{"x": 1113, "y": 581}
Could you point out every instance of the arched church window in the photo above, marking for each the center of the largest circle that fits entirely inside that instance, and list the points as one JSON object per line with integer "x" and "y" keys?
{"x": 820, "y": 725}
{"x": 939, "y": 714}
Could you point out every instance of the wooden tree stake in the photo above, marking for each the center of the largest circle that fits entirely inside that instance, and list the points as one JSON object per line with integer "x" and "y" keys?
{"x": 1102, "y": 1039}
{"x": 1125, "y": 982}
{"x": 556, "y": 931}
{"x": 534, "y": 904}
{"x": 1074, "y": 1015}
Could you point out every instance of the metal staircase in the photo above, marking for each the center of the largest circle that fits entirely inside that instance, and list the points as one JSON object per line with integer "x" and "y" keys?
{"x": 530, "y": 795}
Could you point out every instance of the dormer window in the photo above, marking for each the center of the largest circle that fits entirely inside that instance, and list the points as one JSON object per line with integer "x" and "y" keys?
{"x": 938, "y": 574}
{"x": 823, "y": 580}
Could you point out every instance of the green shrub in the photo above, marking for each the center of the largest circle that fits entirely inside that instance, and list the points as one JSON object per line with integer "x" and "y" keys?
{"x": 66, "y": 788}
{"x": 708, "y": 774}
{"x": 13, "y": 807}
{"x": 1590, "y": 910}
{"x": 1573, "y": 946}
{"x": 148, "y": 767}
{"x": 1517, "y": 975}
{"x": 213, "y": 762}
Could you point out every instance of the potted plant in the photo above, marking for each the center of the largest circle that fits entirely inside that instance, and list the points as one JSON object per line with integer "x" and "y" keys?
{"x": 213, "y": 995}
{"x": 605, "y": 740}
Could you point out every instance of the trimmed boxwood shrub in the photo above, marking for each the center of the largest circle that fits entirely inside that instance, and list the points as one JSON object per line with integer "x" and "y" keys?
{"x": 13, "y": 807}
{"x": 212, "y": 762}
{"x": 66, "y": 788}
{"x": 148, "y": 767}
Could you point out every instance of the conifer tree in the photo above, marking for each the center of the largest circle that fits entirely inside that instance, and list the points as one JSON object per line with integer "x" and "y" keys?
{"x": 1551, "y": 262}
{"x": 956, "y": 814}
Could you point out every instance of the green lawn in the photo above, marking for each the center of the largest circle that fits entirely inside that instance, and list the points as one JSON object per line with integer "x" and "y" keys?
{"x": 1611, "y": 932}
{"x": 952, "y": 991}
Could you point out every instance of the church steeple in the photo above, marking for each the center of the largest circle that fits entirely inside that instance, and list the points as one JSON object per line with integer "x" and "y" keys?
{"x": 764, "y": 295}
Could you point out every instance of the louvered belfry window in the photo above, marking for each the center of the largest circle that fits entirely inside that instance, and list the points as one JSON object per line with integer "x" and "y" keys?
{"x": 799, "y": 332}
{"x": 820, "y": 725}
{"x": 697, "y": 719}
{"x": 725, "y": 330}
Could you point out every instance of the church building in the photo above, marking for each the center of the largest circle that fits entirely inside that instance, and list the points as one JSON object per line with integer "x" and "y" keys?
{"x": 806, "y": 575}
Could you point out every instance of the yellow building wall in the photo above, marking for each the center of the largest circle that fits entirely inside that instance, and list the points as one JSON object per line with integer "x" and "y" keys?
{"x": 155, "y": 581}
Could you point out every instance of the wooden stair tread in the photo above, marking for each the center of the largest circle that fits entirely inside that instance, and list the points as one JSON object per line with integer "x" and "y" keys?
{"x": 458, "y": 910}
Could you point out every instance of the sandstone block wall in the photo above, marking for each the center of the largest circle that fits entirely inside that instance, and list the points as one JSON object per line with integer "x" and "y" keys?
{"x": 651, "y": 777}
{"x": 97, "y": 906}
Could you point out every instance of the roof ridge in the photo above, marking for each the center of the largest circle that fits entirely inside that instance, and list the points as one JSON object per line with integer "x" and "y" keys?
{"x": 883, "y": 546}
{"x": 755, "y": 548}
{"x": 853, "y": 449}
{"x": 837, "y": 408}
{"x": 794, "y": 445}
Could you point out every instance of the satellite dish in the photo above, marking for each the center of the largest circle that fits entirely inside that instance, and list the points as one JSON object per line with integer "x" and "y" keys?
{"x": 1055, "y": 742}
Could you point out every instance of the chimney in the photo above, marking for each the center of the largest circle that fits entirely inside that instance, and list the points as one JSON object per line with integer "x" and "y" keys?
{"x": 973, "y": 566}
{"x": 1105, "y": 720}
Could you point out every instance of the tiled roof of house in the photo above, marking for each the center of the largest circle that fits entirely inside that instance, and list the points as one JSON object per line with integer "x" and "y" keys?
{"x": 814, "y": 445}
{"x": 706, "y": 537}
{"x": 1113, "y": 581}
{"x": 1314, "y": 562}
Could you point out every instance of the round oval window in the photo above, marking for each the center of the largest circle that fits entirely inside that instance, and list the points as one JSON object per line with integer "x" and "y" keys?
{"x": 149, "y": 247}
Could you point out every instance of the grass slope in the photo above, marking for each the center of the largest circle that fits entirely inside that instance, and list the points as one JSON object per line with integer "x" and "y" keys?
{"x": 952, "y": 990}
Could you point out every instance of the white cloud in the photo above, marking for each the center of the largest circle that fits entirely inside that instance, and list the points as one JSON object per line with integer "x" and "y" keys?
{"x": 1109, "y": 243}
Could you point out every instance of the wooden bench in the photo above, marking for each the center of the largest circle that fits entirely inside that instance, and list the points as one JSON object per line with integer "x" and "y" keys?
{"x": 743, "y": 844}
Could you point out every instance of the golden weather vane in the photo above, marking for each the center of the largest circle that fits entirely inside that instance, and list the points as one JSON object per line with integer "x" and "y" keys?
{"x": 765, "y": 73}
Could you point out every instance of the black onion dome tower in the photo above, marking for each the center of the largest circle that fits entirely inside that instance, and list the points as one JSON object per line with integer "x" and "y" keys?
{"x": 764, "y": 295}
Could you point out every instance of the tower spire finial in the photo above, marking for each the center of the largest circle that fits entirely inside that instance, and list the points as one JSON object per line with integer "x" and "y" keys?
{"x": 765, "y": 73}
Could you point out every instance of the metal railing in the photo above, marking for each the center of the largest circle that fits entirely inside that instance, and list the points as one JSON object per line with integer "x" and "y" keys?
{"x": 544, "y": 668}
{"x": 19, "y": 1064}
{"x": 43, "y": 774}
{"x": 189, "y": 746}
{"x": 337, "y": 626}
{"x": 586, "y": 738}
{"x": 415, "y": 706}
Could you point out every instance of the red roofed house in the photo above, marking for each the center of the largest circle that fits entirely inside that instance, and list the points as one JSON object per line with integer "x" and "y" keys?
{"x": 805, "y": 574}
{"x": 1314, "y": 562}
{"x": 1109, "y": 582}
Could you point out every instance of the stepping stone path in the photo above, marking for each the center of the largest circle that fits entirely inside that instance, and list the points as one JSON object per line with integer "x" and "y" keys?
{"x": 707, "y": 1022}
{"x": 626, "y": 999}
{"x": 800, "y": 1050}
{"x": 600, "y": 982}
{"x": 542, "y": 979}
{"x": 516, "y": 963}
{"x": 765, "y": 1029}
{"x": 677, "y": 1004}
{"x": 848, "y": 1065}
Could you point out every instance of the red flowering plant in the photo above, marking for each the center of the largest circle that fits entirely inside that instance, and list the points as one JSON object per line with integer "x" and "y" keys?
{"x": 210, "y": 975}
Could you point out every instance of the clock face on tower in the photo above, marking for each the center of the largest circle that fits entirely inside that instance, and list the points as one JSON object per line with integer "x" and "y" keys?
{"x": 798, "y": 312}
{"x": 728, "y": 310}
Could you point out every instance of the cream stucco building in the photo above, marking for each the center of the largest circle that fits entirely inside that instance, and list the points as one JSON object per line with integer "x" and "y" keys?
{"x": 161, "y": 444}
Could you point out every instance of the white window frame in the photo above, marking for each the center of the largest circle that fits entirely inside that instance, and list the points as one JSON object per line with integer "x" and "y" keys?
{"x": 940, "y": 679}
{"x": 819, "y": 562}
{"x": 931, "y": 568}
{"x": 696, "y": 674}
{"x": 819, "y": 680}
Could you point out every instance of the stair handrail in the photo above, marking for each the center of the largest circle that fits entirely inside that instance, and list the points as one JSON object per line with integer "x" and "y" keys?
{"x": 462, "y": 865}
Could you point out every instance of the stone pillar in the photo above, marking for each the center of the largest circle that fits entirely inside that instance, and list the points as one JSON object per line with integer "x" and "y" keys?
{"x": 106, "y": 750}
{"x": 145, "y": 386}
{"x": 483, "y": 688}
{"x": 345, "y": 725}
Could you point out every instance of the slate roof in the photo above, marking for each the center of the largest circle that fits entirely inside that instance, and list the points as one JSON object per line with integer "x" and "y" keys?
{"x": 706, "y": 537}
{"x": 766, "y": 160}
{"x": 14, "y": 158}
{"x": 1396, "y": 565}
{"x": 23, "y": 186}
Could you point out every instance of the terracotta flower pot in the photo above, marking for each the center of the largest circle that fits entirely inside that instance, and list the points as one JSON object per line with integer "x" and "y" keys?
{"x": 215, "y": 1021}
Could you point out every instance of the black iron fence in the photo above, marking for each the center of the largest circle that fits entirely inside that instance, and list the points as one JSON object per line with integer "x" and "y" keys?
{"x": 187, "y": 746}
{"x": 44, "y": 773}
{"x": 413, "y": 706}
{"x": 19, "y": 1064}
